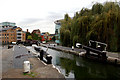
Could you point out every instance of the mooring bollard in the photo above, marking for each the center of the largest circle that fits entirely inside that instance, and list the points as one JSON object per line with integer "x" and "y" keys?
{"x": 28, "y": 51}
{"x": 49, "y": 59}
{"x": 41, "y": 54}
{"x": 26, "y": 66}
{"x": 115, "y": 61}
{"x": 10, "y": 46}
{"x": 72, "y": 47}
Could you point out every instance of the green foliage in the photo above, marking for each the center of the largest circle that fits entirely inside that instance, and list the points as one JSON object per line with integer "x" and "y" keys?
{"x": 53, "y": 39}
{"x": 29, "y": 37}
{"x": 75, "y": 40}
{"x": 35, "y": 36}
{"x": 31, "y": 74}
{"x": 97, "y": 8}
{"x": 39, "y": 38}
{"x": 27, "y": 34}
{"x": 101, "y": 23}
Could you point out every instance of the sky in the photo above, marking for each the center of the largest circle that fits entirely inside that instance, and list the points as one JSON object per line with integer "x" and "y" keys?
{"x": 41, "y": 14}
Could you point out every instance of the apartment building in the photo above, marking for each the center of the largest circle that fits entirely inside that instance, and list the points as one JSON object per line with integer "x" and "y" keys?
{"x": 57, "y": 31}
{"x": 11, "y": 33}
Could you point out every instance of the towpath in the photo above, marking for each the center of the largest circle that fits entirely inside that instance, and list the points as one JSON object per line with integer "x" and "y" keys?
{"x": 77, "y": 51}
{"x": 12, "y": 64}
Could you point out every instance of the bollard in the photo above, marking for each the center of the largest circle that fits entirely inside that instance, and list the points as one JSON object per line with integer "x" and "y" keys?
{"x": 28, "y": 51}
{"x": 9, "y": 46}
{"x": 72, "y": 47}
{"x": 49, "y": 59}
{"x": 41, "y": 54}
{"x": 26, "y": 66}
{"x": 115, "y": 61}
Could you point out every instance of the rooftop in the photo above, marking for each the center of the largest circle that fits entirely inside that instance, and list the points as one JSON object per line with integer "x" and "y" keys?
{"x": 7, "y": 24}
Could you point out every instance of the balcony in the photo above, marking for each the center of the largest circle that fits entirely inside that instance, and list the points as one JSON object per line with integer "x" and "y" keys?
{"x": 19, "y": 32}
{"x": 19, "y": 38}
{"x": 19, "y": 35}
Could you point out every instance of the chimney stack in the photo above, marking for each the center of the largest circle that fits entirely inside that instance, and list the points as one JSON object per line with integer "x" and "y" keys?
{"x": 27, "y": 30}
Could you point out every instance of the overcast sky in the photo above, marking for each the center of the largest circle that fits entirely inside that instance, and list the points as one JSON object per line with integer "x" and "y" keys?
{"x": 41, "y": 14}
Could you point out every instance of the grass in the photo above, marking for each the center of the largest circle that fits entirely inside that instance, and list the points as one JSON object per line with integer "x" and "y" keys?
{"x": 31, "y": 74}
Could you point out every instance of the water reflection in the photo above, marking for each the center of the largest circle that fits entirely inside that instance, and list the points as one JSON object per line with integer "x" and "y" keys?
{"x": 76, "y": 67}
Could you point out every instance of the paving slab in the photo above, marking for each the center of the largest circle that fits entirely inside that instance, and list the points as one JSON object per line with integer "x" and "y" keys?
{"x": 13, "y": 65}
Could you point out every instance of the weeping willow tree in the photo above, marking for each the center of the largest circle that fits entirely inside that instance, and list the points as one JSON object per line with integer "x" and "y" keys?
{"x": 101, "y": 23}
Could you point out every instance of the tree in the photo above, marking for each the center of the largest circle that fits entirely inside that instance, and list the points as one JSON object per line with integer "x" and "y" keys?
{"x": 53, "y": 39}
{"x": 75, "y": 40}
{"x": 27, "y": 34}
{"x": 29, "y": 37}
{"x": 97, "y": 8}
{"x": 35, "y": 36}
{"x": 39, "y": 38}
{"x": 67, "y": 38}
{"x": 101, "y": 23}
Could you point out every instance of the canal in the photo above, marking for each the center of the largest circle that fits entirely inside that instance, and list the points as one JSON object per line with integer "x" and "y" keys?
{"x": 72, "y": 66}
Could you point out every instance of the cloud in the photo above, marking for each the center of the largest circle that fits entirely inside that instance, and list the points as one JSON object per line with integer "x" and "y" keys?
{"x": 30, "y": 20}
{"x": 52, "y": 16}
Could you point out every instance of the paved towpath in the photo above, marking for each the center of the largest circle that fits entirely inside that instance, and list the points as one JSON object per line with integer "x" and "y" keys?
{"x": 12, "y": 64}
{"x": 76, "y": 50}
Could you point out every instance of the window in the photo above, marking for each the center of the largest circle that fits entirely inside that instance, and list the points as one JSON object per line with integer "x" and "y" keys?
{"x": 19, "y": 30}
{"x": 56, "y": 31}
{"x": 18, "y": 37}
{"x": 19, "y": 34}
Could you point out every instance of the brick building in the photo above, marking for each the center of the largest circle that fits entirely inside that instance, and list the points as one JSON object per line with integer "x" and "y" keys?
{"x": 11, "y": 33}
{"x": 37, "y": 31}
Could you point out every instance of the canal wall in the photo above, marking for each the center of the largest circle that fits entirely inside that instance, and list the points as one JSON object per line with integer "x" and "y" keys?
{"x": 61, "y": 49}
{"x": 111, "y": 59}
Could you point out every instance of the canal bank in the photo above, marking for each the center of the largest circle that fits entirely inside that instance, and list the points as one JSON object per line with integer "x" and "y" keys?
{"x": 112, "y": 58}
{"x": 12, "y": 64}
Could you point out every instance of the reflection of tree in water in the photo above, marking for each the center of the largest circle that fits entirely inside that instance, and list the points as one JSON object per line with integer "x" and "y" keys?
{"x": 67, "y": 64}
{"x": 89, "y": 70}
{"x": 70, "y": 65}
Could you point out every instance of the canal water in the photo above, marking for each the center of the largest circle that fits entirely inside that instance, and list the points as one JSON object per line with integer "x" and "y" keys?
{"x": 72, "y": 66}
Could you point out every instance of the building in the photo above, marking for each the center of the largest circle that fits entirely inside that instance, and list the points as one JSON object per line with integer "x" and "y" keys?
{"x": 37, "y": 31}
{"x": 51, "y": 36}
{"x": 45, "y": 35}
{"x": 57, "y": 31}
{"x": 7, "y": 24}
{"x": 11, "y": 33}
{"x": 43, "y": 39}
